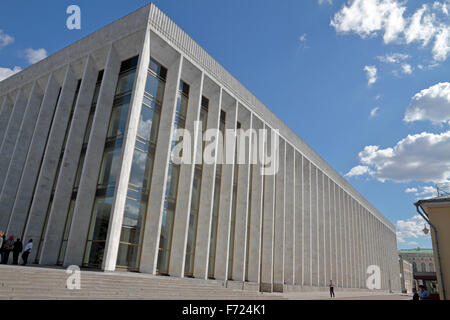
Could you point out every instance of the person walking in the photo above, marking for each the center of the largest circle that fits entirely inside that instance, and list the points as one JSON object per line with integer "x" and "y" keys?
{"x": 423, "y": 293}
{"x": 415, "y": 294}
{"x": 8, "y": 246}
{"x": 2, "y": 239}
{"x": 331, "y": 285}
{"x": 18, "y": 247}
{"x": 26, "y": 251}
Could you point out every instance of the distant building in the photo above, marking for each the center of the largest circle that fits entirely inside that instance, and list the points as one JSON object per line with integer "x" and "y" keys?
{"x": 437, "y": 214}
{"x": 407, "y": 276}
{"x": 424, "y": 271}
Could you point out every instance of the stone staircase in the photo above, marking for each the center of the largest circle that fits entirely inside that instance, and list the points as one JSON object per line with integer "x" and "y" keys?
{"x": 29, "y": 282}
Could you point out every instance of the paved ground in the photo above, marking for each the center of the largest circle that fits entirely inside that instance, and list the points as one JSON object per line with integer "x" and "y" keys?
{"x": 345, "y": 296}
{"x": 17, "y": 282}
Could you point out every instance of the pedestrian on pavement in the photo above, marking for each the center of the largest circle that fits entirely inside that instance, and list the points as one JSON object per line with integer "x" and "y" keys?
{"x": 423, "y": 293}
{"x": 18, "y": 247}
{"x": 415, "y": 294}
{"x": 331, "y": 285}
{"x": 2, "y": 239}
{"x": 8, "y": 246}
{"x": 26, "y": 251}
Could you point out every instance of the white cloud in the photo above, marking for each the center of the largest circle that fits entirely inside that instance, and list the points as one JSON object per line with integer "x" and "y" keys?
{"x": 6, "y": 72}
{"x": 34, "y": 56}
{"x": 411, "y": 228}
{"x": 371, "y": 74}
{"x": 429, "y": 191}
{"x": 325, "y": 1}
{"x": 357, "y": 171}
{"x": 373, "y": 112}
{"x": 431, "y": 104}
{"x": 394, "y": 57}
{"x": 367, "y": 17}
{"x": 429, "y": 24}
{"x": 303, "y": 39}
{"x": 5, "y": 39}
{"x": 421, "y": 157}
{"x": 441, "y": 48}
{"x": 406, "y": 68}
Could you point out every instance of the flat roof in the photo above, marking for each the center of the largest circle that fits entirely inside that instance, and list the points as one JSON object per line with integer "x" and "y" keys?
{"x": 417, "y": 250}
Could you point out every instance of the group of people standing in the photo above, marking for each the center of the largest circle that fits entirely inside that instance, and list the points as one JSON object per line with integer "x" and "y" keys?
{"x": 16, "y": 247}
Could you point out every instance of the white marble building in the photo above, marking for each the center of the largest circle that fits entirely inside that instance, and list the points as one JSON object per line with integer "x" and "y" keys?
{"x": 85, "y": 172}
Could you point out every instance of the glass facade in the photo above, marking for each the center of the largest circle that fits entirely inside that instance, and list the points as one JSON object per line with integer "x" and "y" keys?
{"x": 195, "y": 199}
{"x": 98, "y": 227}
{"x": 142, "y": 168}
{"x": 168, "y": 215}
{"x": 215, "y": 215}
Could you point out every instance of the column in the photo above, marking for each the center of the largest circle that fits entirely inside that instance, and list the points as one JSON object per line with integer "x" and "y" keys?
{"x": 11, "y": 134}
{"x": 184, "y": 193}
{"x": 5, "y": 114}
{"x": 320, "y": 230}
{"x": 88, "y": 182}
{"x": 64, "y": 187}
{"x": 42, "y": 192}
{"x": 327, "y": 232}
{"x": 333, "y": 235}
{"x": 290, "y": 218}
{"x": 126, "y": 159}
{"x": 24, "y": 196}
{"x": 279, "y": 227}
{"x": 256, "y": 205}
{"x": 207, "y": 187}
{"x": 368, "y": 244}
{"x": 12, "y": 179}
{"x": 243, "y": 196}
{"x": 372, "y": 256}
{"x": 314, "y": 227}
{"x": 350, "y": 242}
{"x": 299, "y": 232}
{"x": 268, "y": 220}
{"x": 226, "y": 195}
{"x": 345, "y": 239}
{"x": 38, "y": 209}
{"x": 307, "y": 232}
{"x": 359, "y": 245}
{"x": 341, "y": 235}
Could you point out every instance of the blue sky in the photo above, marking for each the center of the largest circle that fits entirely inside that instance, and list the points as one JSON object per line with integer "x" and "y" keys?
{"x": 313, "y": 64}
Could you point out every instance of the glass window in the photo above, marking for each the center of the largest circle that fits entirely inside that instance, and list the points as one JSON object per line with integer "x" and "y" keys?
{"x": 155, "y": 88}
{"x": 125, "y": 82}
{"x": 141, "y": 170}
{"x": 118, "y": 120}
{"x": 145, "y": 122}
{"x": 79, "y": 170}
{"x": 110, "y": 166}
{"x": 172, "y": 185}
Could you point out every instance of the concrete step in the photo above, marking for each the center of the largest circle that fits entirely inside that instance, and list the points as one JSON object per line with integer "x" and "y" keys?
{"x": 18, "y": 282}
